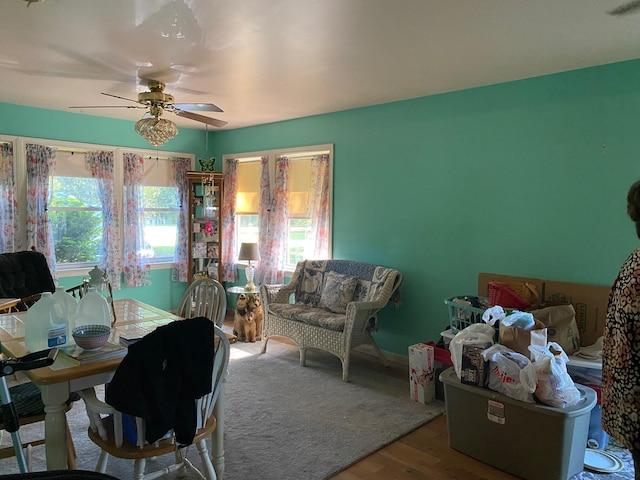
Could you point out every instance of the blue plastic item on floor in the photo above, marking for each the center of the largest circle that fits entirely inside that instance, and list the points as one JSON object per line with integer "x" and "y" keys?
{"x": 597, "y": 437}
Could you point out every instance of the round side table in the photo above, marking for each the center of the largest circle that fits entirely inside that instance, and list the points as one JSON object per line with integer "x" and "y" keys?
{"x": 239, "y": 290}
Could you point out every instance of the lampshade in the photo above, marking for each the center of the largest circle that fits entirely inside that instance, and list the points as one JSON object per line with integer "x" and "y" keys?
{"x": 249, "y": 251}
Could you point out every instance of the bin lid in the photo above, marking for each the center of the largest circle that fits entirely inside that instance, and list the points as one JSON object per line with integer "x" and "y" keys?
{"x": 600, "y": 461}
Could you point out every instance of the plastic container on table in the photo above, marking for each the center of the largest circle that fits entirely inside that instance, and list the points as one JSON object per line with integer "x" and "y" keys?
{"x": 42, "y": 329}
{"x": 93, "y": 309}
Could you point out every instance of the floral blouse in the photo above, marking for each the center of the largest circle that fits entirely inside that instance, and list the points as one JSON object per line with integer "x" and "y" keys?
{"x": 621, "y": 357}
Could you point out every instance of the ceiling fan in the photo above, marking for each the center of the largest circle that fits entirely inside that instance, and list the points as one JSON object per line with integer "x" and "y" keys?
{"x": 155, "y": 129}
{"x": 627, "y": 8}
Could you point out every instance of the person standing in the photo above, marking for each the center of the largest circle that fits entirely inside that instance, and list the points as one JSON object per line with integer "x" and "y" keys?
{"x": 621, "y": 349}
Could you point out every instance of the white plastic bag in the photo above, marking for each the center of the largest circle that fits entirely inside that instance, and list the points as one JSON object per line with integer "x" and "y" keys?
{"x": 555, "y": 386}
{"x": 475, "y": 334}
{"x": 510, "y": 373}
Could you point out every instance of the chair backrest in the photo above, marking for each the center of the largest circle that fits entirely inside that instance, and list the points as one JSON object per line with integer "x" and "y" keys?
{"x": 204, "y": 298}
{"x": 25, "y": 275}
{"x": 204, "y": 405}
{"x": 204, "y": 408}
{"x": 78, "y": 291}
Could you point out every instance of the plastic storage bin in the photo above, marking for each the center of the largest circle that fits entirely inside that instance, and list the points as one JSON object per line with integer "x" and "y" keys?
{"x": 531, "y": 441}
{"x": 447, "y": 336}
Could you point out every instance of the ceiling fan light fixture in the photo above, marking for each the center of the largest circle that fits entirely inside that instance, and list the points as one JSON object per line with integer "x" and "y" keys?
{"x": 157, "y": 131}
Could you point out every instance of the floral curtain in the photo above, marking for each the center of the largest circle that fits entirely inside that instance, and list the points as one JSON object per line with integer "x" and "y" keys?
{"x": 228, "y": 227}
{"x": 272, "y": 262}
{"x": 180, "y": 260}
{"x": 40, "y": 161}
{"x": 137, "y": 270}
{"x": 319, "y": 209}
{"x": 9, "y": 221}
{"x": 101, "y": 165}
{"x": 264, "y": 216}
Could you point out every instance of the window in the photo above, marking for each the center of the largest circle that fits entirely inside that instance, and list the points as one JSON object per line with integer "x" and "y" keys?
{"x": 161, "y": 209}
{"x": 299, "y": 241}
{"x": 75, "y": 211}
{"x": 74, "y": 204}
{"x": 75, "y": 216}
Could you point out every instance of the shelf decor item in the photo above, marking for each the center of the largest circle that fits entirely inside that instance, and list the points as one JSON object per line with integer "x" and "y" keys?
{"x": 249, "y": 251}
{"x": 205, "y": 199}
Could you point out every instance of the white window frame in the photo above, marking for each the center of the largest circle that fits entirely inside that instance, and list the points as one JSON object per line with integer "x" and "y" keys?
{"x": 291, "y": 153}
{"x": 20, "y": 173}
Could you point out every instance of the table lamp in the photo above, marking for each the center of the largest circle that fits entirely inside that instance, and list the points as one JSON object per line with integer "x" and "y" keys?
{"x": 249, "y": 251}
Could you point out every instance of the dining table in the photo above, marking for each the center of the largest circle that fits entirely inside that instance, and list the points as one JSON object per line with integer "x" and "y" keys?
{"x": 65, "y": 376}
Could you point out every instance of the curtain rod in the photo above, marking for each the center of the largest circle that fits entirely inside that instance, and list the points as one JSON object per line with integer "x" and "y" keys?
{"x": 146, "y": 156}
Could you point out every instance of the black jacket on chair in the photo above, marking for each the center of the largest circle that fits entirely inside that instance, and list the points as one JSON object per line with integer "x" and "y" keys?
{"x": 23, "y": 274}
{"x": 163, "y": 374}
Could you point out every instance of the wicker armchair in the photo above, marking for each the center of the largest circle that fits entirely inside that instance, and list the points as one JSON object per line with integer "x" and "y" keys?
{"x": 334, "y": 309}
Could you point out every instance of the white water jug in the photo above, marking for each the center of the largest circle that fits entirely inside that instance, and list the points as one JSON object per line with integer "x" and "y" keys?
{"x": 93, "y": 309}
{"x": 41, "y": 331}
{"x": 64, "y": 311}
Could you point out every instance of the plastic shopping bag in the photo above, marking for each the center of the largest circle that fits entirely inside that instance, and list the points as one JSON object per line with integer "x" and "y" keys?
{"x": 466, "y": 353}
{"x": 510, "y": 373}
{"x": 555, "y": 386}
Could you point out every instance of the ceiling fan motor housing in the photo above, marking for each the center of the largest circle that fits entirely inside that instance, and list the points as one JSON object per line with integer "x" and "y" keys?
{"x": 156, "y": 95}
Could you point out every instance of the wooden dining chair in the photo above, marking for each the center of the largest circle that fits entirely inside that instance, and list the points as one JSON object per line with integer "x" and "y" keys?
{"x": 204, "y": 298}
{"x": 109, "y": 428}
{"x": 25, "y": 275}
{"x": 30, "y": 409}
{"x": 78, "y": 291}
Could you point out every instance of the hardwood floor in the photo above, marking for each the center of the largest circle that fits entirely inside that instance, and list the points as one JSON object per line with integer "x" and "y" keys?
{"x": 423, "y": 454}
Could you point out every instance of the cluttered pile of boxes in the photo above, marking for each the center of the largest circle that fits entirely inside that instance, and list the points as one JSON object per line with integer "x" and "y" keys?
{"x": 510, "y": 389}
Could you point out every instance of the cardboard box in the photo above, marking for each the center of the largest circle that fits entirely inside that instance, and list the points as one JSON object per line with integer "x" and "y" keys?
{"x": 589, "y": 301}
{"x": 422, "y": 386}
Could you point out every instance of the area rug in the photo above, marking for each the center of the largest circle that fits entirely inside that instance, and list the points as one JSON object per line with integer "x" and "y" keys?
{"x": 284, "y": 421}
{"x": 627, "y": 472}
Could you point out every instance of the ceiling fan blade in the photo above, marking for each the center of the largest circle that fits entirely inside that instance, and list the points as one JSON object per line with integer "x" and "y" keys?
{"x": 626, "y": 8}
{"x": 200, "y": 118}
{"x": 121, "y": 98}
{"x": 107, "y": 106}
{"x": 199, "y": 107}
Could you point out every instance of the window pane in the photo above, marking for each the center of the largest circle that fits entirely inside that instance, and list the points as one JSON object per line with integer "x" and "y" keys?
{"x": 160, "y": 221}
{"x": 246, "y": 229}
{"x": 299, "y": 246}
{"x": 75, "y": 216}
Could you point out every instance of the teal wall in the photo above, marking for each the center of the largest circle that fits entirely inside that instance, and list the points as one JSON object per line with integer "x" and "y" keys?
{"x": 163, "y": 292}
{"x": 510, "y": 178}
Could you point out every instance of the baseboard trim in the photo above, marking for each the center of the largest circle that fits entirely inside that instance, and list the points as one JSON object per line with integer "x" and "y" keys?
{"x": 367, "y": 351}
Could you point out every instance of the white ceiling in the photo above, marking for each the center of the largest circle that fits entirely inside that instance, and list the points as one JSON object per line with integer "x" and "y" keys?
{"x": 263, "y": 61}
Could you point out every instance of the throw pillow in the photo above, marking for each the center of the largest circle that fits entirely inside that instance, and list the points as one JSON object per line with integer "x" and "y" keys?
{"x": 337, "y": 292}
